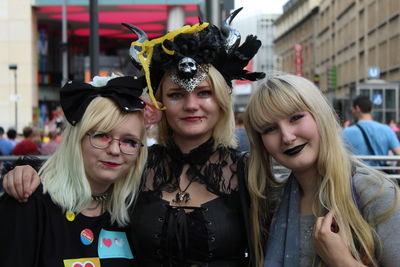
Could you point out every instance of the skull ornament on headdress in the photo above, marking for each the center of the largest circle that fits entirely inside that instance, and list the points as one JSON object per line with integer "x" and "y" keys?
{"x": 187, "y": 53}
{"x": 187, "y": 67}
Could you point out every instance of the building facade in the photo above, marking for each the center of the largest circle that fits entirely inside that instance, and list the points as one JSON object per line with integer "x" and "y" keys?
{"x": 18, "y": 47}
{"x": 342, "y": 42}
{"x": 296, "y": 38}
{"x": 263, "y": 26}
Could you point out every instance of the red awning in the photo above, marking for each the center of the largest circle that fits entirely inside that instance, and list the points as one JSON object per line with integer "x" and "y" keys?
{"x": 151, "y": 18}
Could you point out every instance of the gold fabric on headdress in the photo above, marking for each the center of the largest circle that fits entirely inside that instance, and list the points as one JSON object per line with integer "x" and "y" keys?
{"x": 147, "y": 48}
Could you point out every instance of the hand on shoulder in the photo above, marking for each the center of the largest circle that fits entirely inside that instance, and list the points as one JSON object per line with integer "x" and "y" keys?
{"x": 21, "y": 182}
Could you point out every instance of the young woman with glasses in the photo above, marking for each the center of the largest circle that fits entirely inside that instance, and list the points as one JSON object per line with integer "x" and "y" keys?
{"x": 79, "y": 214}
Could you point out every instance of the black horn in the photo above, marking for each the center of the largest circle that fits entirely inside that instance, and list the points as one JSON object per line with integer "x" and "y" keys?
{"x": 135, "y": 50}
{"x": 232, "y": 36}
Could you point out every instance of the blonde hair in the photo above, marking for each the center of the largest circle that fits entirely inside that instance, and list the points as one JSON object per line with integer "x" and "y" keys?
{"x": 280, "y": 96}
{"x": 224, "y": 130}
{"x": 63, "y": 174}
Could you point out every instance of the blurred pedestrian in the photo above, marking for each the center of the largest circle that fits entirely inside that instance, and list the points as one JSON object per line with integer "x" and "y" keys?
{"x": 240, "y": 132}
{"x": 12, "y": 135}
{"x": 50, "y": 147}
{"x": 369, "y": 137}
{"x": 27, "y": 146}
{"x": 6, "y": 146}
{"x": 393, "y": 126}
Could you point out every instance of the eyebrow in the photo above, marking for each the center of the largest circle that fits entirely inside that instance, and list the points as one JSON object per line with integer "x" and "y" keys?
{"x": 174, "y": 89}
{"x": 124, "y": 135}
{"x": 130, "y": 135}
{"x": 268, "y": 124}
{"x": 202, "y": 87}
{"x": 182, "y": 89}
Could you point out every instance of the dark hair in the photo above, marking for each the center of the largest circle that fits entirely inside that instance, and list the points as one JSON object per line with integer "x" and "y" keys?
{"x": 27, "y": 131}
{"x": 11, "y": 133}
{"x": 1, "y": 130}
{"x": 239, "y": 119}
{"x": 52, "y": 135}
{"x": 363, "y": 102}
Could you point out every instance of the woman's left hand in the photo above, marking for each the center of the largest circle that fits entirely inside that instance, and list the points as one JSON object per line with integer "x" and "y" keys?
{"x": 329, "y": 242}
{"x": 151, "y": 114}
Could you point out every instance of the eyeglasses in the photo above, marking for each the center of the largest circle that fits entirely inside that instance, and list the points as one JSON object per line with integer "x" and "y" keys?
{"x": 127, "y": 145}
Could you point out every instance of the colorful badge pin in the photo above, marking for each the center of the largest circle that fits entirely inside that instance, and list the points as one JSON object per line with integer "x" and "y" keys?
{"x": 87, "y": 236}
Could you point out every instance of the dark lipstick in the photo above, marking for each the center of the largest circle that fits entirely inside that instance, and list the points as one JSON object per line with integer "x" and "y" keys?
{"x": 294, "y": 150}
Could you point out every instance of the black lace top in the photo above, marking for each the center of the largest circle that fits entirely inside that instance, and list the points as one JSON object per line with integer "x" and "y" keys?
{"x": 216, "y": 169}
{"x": 210, "y": 235}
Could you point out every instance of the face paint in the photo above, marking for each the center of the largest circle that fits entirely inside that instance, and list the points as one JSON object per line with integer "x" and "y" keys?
{"x": 207, "y": 100}
{"x": 174, "y": 102}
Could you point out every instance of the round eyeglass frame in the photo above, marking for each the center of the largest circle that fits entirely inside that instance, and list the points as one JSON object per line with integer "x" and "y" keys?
{"x": 119, "y": 144}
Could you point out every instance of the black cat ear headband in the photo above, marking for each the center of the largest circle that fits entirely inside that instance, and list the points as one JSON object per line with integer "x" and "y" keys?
{"x": 124, "y": 91}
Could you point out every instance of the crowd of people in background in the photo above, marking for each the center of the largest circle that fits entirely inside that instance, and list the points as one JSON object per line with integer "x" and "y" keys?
{"x": 31, "y": 142}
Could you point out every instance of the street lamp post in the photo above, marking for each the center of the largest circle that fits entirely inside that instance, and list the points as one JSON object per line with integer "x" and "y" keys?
{"x": 14, "y": 67}
{"x": 64, "y": 44}
{"x": 94, "y": 38}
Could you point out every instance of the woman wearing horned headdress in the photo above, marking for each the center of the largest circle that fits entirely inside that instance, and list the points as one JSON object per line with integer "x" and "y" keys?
{"x": 189, "y": 212}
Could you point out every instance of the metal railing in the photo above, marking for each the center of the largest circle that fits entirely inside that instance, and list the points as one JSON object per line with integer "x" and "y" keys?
{"x": 15, "y": 158}
{"x": 282, "y": 171}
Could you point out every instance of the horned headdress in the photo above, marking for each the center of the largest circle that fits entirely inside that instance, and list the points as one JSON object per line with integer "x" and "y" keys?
{"x": 187, "y": 52}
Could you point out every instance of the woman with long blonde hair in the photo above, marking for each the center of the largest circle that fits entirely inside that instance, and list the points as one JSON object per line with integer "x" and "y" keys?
{"x": 332, "y": 210}
{"x": 79, "y": 215}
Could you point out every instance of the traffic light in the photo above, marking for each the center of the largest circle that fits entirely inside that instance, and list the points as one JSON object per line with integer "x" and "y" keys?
{"x": 316, "y": 79}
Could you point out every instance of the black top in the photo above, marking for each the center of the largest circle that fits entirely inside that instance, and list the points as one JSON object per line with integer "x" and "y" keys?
{"x": 38, "y": 234}
{"x": 211, "y": 235}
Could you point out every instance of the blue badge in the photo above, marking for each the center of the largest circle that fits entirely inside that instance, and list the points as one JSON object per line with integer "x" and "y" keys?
{"x": 113, "y": 245}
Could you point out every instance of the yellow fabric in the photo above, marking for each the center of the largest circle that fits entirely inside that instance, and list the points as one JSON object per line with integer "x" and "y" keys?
{"x": 147, "y": 48}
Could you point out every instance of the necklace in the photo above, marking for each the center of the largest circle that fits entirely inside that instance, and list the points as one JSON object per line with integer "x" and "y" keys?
{"x": 100, "y": 199}
{"x": 182, "y": 196}
{"x": 96, "y": 206}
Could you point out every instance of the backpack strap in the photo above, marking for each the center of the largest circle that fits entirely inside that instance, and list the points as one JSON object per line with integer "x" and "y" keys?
{"x": 366, "y": 139}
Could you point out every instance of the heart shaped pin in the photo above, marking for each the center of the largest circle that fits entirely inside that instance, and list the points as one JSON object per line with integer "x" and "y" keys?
{"x": 85, "y": 264}
{"x": 107, "y": 242}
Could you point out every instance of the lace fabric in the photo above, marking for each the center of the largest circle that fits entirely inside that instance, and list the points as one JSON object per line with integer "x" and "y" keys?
{"x": 214, "y": 168}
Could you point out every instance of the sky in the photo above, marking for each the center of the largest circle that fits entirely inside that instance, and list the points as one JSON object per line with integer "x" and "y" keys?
{"x": 258, "y": 6}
